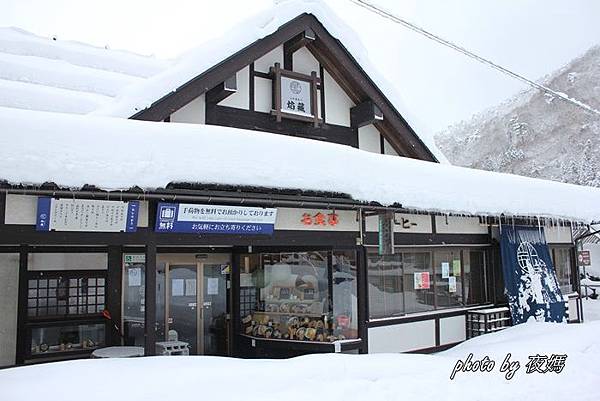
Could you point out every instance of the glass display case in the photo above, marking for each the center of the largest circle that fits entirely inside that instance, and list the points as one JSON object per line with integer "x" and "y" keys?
{"x": 290, "y": 296}
{"x": 54, "y": 340}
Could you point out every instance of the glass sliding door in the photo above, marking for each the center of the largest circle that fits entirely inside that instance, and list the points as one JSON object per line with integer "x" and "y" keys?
{"x": 194, "y": 301}
{"x": 182, "y": 300}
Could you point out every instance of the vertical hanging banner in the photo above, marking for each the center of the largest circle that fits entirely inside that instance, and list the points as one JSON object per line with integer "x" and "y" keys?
{"x": 86, "y": 215}
{"x": 532, "y": 287}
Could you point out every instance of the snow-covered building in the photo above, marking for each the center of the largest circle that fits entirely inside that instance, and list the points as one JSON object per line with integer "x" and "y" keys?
{"x": 276, "y": 201}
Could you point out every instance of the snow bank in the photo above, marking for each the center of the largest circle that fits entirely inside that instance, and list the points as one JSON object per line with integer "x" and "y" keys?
{"x": 114, "y": 153}
{"x": 328, "y": 377}
{"x": 198, "y": 60}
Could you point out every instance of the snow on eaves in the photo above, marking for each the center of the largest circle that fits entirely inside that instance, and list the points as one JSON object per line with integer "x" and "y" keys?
{"x": 114, "y": 153}
{"x": 44, "y": 74}
{"x": 198, "y": 60}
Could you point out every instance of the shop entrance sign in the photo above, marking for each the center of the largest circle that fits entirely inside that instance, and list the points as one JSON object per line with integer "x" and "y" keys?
{"x": 214, "y": 219}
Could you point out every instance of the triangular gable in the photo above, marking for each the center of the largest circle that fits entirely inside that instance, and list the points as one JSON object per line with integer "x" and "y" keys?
{"x": 332, "y": 55}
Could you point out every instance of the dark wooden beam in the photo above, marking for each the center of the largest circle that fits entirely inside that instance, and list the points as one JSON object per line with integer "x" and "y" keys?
{"x": 150, "y": 301}
{"x": 114, "y": 290}
{"x": 231, "y": 117}
{"x": 222, "y": 90}
{"x": 365, "y": 113}
{"x": 22, "y": 307}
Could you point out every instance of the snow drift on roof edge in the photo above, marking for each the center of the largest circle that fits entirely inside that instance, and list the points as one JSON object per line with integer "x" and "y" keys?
{"x": 140, "y": 96}
{"x": 114, "y": 153}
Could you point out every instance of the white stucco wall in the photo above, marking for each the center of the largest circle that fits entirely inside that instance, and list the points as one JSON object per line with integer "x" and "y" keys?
{"x": 459, "y": 225}
{"x": 388, "y": 149}
{"x": 268, "y": 60}
{"x": 304, "y": 62}
{"x": 241, "y": 98}
{"x": 402, "y": 337}
{"x": 337, "y": 103}
{"x": 558, "y": 235}
{"x": 192, "y": 113}
{"x": 368, "y": 137}
{"x": 452, "y": 330}
{"x": 263, "y": 95}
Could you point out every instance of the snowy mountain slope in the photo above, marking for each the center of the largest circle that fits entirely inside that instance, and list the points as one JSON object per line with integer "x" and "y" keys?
{"x": 51, "y": 75}
{"x": 535, "y": 134}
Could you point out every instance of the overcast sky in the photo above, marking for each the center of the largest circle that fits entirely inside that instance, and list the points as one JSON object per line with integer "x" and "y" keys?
{"x": 533, "y": 37}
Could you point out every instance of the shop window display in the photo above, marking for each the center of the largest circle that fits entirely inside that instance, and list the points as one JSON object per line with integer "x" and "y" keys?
{"x": 67, "y": 338}
{"x": 300, "y": 296}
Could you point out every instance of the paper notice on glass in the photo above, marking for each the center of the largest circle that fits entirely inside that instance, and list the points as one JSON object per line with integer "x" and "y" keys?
{"x": 212, "y": 287}
{"x": 245, "y": 280}
{"x": 418, "y": 278}
{"x": 451, "y": 284}
{"x": 134, "y": 276}
{"x": 445, "y": 269}
{"x": 177, "y": 287}
{"x": 425, "y": 279}
{"x": 456, "y": 267}
{"x": 190, "y": 287}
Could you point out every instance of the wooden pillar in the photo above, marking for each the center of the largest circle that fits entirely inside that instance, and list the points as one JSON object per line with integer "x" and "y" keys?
{"x": 150, "y": 302}
{"x": 22, "y": 307}
{"x": 114, "y": 291}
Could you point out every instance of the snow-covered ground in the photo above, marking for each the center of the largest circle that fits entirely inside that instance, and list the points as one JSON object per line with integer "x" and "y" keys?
{"x": 331, "y": 377}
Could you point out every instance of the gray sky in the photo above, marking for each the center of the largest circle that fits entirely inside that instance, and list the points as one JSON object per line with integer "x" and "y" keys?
{"x": 533, "y": 37}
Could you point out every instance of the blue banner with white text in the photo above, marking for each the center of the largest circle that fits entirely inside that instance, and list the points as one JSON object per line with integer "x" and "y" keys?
{"x": 214, "y": 219}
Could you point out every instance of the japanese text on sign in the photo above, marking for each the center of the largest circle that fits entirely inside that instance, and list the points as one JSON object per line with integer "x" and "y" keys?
{"x": 188, "y": 218}
{"x": 320, "y": 219}
{"x": 295, "y": 96}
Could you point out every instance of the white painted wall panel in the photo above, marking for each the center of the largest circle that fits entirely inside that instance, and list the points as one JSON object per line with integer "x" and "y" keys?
{"x": 459, "y": 225}
{"x": 558, "y": 235}
{"x": 20, "y": 209}
{"x": 402, "y": 337}
{"x": 268, "y": 60}
{"x": 337, "y": 103}
{"x": 192, "y": 113}
{"x": 9, "y": 290}
{"x": 263, "y": 95}
{"x": 241, "y": 98}
{"x": 368, "y": 137}
{"x": 67, "y": 261}
{"x": 304, "y": 62}
{"x": 452, "y": 330}
{"x": 388, "y": 149}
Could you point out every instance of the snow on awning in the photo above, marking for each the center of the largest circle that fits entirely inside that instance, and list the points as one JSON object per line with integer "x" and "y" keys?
{"x": 113, "y": 153}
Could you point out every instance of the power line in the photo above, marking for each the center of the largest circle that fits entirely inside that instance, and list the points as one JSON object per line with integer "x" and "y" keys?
{"x": 447, "y": 43}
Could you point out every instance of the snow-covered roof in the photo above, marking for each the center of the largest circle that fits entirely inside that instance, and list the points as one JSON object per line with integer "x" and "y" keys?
{"x": 113, "y": 153}
{"x": 52, "y": 75}
{"x": 198, "y": 60}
